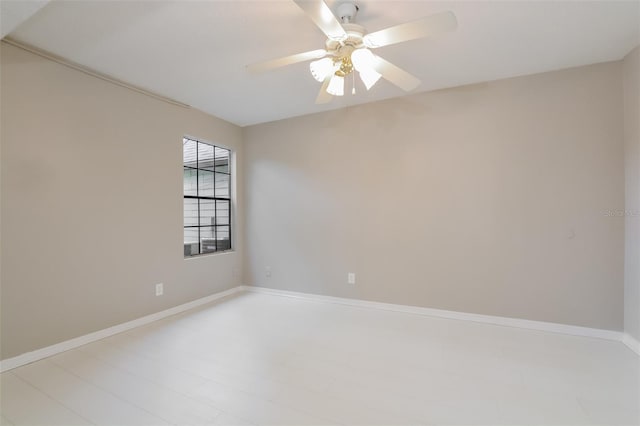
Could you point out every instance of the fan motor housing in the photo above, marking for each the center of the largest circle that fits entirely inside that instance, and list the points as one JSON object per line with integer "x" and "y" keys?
{"x": 354, "y": 32}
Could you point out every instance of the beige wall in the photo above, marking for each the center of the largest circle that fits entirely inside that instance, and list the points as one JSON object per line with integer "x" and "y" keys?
{"x": 492, "y": 198}
{"x": 632, "y": 193}
{"x": 92, "y": 204}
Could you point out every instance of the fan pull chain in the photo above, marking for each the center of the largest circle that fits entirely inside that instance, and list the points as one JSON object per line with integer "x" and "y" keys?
{"x": 353, "y": 83}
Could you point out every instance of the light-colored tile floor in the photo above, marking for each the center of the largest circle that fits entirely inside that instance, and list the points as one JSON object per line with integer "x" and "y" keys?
{"x": 258, "y": 359}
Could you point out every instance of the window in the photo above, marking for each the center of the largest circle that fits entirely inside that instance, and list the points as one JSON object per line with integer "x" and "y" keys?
{"x": 207, "y": 197}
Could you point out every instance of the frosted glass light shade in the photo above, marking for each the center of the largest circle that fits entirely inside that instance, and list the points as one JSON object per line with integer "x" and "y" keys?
{"x": 363, "y": 59}
{"x": 321, "y": 68}
{"x": 369, "y": 77}
{"x": 336, "y": 86}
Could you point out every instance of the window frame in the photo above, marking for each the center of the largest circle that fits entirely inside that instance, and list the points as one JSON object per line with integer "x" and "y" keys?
{"x": 215, "y": 199}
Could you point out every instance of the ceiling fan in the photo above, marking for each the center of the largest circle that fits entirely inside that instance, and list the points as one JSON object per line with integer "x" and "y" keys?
{"x": 348, "y": 48}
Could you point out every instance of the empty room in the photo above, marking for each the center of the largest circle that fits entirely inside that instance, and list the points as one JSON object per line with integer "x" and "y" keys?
{"x": 319, "y": 212}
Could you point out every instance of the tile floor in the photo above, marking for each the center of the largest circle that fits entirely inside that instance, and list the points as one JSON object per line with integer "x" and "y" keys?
{"x": 258, "y": 359}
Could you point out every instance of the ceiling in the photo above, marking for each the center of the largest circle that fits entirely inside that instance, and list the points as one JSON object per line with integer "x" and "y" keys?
{"x": 14, "y": 12}
{"x": 196, "y": 51}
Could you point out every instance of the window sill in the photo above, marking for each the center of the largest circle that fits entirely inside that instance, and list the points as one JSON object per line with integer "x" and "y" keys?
{"x": 215, "y": 253}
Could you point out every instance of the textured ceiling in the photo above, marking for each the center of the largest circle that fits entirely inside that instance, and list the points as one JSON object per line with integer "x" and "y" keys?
{"x": 196, "y": 51}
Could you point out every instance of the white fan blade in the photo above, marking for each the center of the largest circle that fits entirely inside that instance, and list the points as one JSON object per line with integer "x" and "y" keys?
{"x": 287, "y": 60}
{"x": 322, "y": 16}
{"x": 324, "y": 96}
{"x": 434, "y": 24}
{"x": 395, "y": 75}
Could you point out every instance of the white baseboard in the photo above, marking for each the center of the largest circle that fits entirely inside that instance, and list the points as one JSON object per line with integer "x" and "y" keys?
{"x": 573, "y": 330}
{"x": 48, "y": 351}
{"x": 631, "y": 342}
{"x": 29, "y": 357}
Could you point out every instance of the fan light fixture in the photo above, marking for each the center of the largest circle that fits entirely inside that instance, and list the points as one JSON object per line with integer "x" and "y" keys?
{"x": 362, "y": 60}
{"x": 321, "y": 68}
{"x": 369, "y": 77}
{"x": 336, "y": 86}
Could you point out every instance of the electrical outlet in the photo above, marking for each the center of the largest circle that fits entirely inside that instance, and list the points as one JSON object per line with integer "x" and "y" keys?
{"x": 351, "y": 278}
{"x": 159, "y": 289}
{"x": 267, "y": 271}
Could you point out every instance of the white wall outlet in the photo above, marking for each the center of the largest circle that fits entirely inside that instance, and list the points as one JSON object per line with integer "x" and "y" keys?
{"x": 159, "y": 289}
{"x": 351, "y": 278}
{"x": 267, "y": 271}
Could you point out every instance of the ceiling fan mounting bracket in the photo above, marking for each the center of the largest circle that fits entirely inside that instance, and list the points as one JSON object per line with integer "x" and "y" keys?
{"x": 347, "y": 12}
